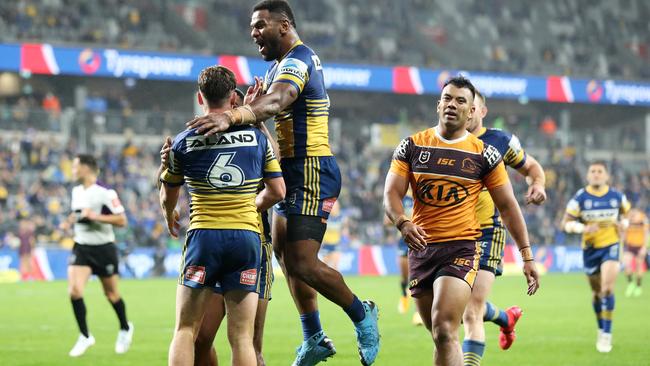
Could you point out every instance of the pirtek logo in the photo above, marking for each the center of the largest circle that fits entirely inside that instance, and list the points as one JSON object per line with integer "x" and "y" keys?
{"x": 441, "y": 192}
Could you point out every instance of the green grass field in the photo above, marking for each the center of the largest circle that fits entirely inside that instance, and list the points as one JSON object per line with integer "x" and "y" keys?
{"x": 558, "y": 327}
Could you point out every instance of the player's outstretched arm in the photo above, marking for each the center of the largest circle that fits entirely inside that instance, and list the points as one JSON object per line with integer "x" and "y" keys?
{"x": 168, "y": 199}
{"x": 536, "y": 179}
{"x": 504, "y": 200}
{"x": 273, "y": 192}
{"x": 278, "y": 97}
{"x": 395, "y": 189}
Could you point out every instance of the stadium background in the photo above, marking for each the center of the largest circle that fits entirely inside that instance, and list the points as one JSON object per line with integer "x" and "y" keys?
{"x": 570, "y": 77}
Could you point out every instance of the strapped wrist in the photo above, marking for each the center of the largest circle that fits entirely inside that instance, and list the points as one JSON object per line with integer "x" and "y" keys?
{"x": 526, "y": 253}
{"x": 241, "y": 115}
{"x": 399, "y": 222}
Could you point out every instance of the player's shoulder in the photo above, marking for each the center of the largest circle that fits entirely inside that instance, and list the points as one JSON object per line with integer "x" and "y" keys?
{"x": 580, "y": 194}
{"x": 180, "y": 140}
{"x": 615, "y": 193}
{"x": 101, "y": 188}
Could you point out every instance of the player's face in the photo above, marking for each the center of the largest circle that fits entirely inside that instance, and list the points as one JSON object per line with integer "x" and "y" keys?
{"x": 455, "y": 107}
{"x": 477, "y": 116}
{"x": 79, "y": 170}
{"x": 266, "y": 34}
{"x": 597, "y": 175}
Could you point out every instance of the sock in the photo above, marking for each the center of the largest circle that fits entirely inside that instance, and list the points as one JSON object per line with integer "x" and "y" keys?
{"x": 629, "y": 278}
{"x": 472, "y": 352}
{"x": 310, "y": 324}
{"x": 608, "y": 309}
{"x": 638, "y": 281}
{"x": 355, "y": 311}
{"x": 403, "y": 285}
{"x": 120, "y": 310}
{"x": 598, "y": 308}
{"x": 79, "y": 308}
{"x": 494, "y": 315}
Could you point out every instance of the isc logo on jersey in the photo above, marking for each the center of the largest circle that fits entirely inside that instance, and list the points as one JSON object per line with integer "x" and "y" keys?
{"x": 441, "y": 192}
{"x": 221, "y": 141}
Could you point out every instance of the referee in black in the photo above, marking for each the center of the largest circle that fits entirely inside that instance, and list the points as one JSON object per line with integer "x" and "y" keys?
{"x": 95, "y": 210}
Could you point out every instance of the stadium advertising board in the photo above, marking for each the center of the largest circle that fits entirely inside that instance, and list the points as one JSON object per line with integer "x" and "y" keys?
{"x": 40, "y": 58}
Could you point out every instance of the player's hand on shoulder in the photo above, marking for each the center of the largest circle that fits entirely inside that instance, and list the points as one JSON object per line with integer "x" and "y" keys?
{"x": 413, "y": 236}
{"x": 164, "y": 151}
{"x": 532, "y": 277}
{"x": 210, "y": 124}
{"x": 254, "y": 91}
{"x": 536, "y": 194}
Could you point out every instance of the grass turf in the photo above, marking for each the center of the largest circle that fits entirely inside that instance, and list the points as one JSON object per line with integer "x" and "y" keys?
{"x": 558, "y": 326}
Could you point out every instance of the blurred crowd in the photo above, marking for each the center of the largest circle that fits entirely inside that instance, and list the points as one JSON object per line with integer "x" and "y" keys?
{"x": 604, "y": 38}
{"x": 35, "y": 184}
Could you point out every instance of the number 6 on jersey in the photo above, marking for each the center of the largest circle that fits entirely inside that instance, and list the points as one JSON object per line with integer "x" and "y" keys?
{"x": 222, "y": 174}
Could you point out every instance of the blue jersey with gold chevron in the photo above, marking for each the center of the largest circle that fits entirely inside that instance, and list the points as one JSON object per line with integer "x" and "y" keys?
{"x": 223, "y": 173}
{"x": 302, "y": 128}
{"x": 600, "y": 206}
{"x": 514, "y": 156}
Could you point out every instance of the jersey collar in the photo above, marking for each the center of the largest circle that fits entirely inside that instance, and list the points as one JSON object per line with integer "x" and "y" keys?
{"x": 481, "y": 132}
{"x": 298, "y": 43}
{"x": 597, "y": 192}
{"x": 462, "y": 138}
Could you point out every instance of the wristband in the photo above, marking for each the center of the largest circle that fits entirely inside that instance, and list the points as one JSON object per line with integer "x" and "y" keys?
{"x": 574, "y": 227}
{"x": 400, "y": 221}
{"x": 241, "y": 115}
{"x": 526, "y": 253}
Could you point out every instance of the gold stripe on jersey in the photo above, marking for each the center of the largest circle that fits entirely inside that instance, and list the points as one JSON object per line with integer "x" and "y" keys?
{"x": 284, "y": 130}
{"x": 223, "y": 211}
{"x": 317, "y": 135}
{"x": 513, "y": 158}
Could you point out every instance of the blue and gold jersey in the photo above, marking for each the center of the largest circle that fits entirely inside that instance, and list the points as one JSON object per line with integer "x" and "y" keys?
{"x": 223, "y": 173}
{"x": 514, "y": 156}
{"x": 302, "y": 128}
{"x": 602, "y": 207}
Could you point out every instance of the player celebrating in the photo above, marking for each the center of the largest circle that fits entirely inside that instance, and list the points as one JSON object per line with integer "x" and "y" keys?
{"x": 446, "y": 168}
{"x": 636, "y": 235}
{"x": 295, "y": 94}
{"x": 493, "y": 239}
{"x": 594, "y": 212}
{"x": 222, "y": 249}
{"x": 95, "y": 210}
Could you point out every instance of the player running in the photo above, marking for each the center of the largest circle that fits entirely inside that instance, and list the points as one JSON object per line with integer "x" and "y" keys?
{"x": 594, "y": 212}
{"x": 222, "y": 248}
{"x": 634, "y": 255}
{"x": 95, "y": 210}
{"x": 446, "y": 168}
{"x": 493, "y": 239}
{"x": 295, "y": 95}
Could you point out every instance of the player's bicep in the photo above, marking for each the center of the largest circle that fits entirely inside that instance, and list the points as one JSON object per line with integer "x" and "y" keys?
{"x": 497, "y": 177}
{"x": 573, "y": 208}
{"x": 113, "y": 203}
{"x": 284, "y": 94}
{"x": 396, "y": 184}
{"x": 173, "y": 173}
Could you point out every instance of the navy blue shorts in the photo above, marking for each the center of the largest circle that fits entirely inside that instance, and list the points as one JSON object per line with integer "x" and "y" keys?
{"x": 313, "y": 185}
{"x": 402, "y": 248}
{"x": 594, "y": 257}
{"x": 493, "y": 243}
{"x": 223, "y": 260}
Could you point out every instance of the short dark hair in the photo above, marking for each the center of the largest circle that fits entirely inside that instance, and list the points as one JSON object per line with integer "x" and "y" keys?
{"x": 602, "y": 163}
{"x": 216, "y": 83}
{"x": 277, "y": 7}
{"x": 481, "y": 96}
{"x": 89, "y": 161}
{"x": 461, "y": 82}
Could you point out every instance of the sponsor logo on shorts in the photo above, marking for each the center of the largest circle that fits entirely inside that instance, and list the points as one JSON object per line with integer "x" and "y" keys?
{"x": 328, "y": 204}
{"x": 110, "y": 269}
{"x": 441, "y": 192}
{"x": 248, "y": 277}
{"x": 462, "y": 262}
{"x": 414, "y": 282}
{"x": 195, "y": 274}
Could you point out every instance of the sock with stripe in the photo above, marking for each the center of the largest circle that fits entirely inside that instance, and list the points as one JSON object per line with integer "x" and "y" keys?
{"x": 495, "y": 315}
{"x": 608, "y": 309}
{"x": 310, "y": 324}
{"x": 598, "y": 308}
{"x": 472, "y": 352}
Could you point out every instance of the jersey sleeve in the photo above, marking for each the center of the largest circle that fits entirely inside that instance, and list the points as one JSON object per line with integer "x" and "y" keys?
{"x": 293, "y": 71}
{"x": 494, "y": 172}
{"x": 271, "y": 166}
{"x": 112, "y": 202}
{"x": 173, "y": 173}
{"x": 573, "y": 207}
{"x": 400, "y": 164}
{"x": 515, "y": 156}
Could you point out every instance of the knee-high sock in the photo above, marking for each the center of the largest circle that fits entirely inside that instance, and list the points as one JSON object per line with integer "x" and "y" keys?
{"x": 79, "y": 308}
{"x": 120, "y": 310}
{"x": 472, "y": 352}
{"x": 608, "y": 310}
{"x": 598, "y": 309}
{"x": 495, "y": 315}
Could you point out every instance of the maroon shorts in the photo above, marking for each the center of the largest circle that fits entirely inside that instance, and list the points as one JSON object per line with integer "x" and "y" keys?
{"x": 634, "y": 250}
{"x": 458, "y": 259}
